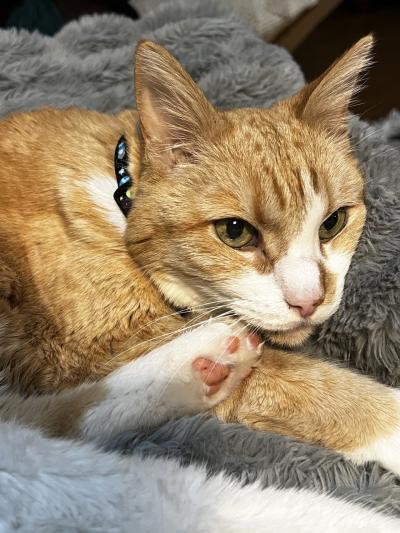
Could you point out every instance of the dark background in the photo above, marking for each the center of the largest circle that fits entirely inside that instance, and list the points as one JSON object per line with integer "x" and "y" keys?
{"x": 350, "y": 21}
{"x": 343, "y": 26}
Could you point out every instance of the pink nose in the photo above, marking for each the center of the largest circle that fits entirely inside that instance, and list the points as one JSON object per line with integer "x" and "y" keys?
{"x": 305, "y": 307}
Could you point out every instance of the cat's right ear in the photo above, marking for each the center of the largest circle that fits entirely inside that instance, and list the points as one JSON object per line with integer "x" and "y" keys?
{"x": 325, "y": 101}
{"x": 175, "y": 116}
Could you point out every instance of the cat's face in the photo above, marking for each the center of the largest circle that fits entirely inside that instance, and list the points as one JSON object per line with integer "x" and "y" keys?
{"x": 257, "y": 212}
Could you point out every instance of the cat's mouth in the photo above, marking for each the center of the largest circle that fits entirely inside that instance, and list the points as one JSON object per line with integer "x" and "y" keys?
{"x": 290, "y": 336}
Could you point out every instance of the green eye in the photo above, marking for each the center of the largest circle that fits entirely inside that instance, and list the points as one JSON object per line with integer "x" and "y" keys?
{"x": 236, "y": 233}
{"x": 332, "y": 225}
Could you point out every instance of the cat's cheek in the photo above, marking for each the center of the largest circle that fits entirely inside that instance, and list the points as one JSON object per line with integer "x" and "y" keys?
{"x": 335, "y": 266}
{"x": 329, "y": 308}
{"x": 257, "y": 297}
{"x": 337, "y": 263}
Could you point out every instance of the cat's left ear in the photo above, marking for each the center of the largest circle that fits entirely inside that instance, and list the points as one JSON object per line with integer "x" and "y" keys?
{"x": 175, "y": 116}
{"x": 326, "y": 100}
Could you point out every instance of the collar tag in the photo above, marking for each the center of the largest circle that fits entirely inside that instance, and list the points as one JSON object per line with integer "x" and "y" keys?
{"x": 123, "y": 194}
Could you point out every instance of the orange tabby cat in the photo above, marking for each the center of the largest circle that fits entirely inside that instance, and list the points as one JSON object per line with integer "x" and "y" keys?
{"x": 252, "y": 214}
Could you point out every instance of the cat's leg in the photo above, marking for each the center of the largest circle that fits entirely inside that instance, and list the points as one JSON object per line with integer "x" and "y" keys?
{"x": 385, "y": 447}
{"x": 49, "y": 485}
{"x": 192, "y": 373}
{"x": 319, "y": 402}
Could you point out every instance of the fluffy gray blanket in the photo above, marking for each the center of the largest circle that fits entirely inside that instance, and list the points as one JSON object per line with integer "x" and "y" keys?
{"x": 89, "y": 64}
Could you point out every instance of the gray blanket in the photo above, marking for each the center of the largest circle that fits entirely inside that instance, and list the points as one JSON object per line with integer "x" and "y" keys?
{"x": 89, "y": 64}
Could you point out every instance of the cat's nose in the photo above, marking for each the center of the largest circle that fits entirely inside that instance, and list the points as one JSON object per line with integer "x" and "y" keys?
{"x": 299, "y": 279}
{"x": 305, "y": 306}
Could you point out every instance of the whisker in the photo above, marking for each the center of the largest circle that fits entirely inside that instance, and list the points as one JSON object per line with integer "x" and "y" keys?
{"x": 194, "y": 308}
{"x": 155, "y": 339}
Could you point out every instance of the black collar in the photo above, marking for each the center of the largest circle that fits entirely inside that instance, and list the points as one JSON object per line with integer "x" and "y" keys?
{"x": 121, "y": 165}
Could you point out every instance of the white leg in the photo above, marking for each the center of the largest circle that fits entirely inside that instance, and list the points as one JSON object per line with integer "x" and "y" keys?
{"x": 165, "y": 383}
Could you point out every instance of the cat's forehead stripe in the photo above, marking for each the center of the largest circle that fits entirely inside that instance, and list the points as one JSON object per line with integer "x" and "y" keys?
{"x": 315, "y": 180}
{"x": 287, "y": 195}
{"x": 309, "y": 183}
{"x": 278, "y": 189}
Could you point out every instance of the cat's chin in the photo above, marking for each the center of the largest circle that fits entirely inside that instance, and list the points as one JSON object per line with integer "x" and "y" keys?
{"x": 290, "y": 338}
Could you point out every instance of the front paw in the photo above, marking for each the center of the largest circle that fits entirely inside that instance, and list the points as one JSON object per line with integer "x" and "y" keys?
{"x": 216, "y": 359}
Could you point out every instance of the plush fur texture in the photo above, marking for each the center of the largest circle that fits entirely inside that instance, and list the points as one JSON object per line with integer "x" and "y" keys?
{"x": 94, "y": 491}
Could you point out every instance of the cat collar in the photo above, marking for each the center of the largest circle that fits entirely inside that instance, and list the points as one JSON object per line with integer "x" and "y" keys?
{"x": 121, "y": 163}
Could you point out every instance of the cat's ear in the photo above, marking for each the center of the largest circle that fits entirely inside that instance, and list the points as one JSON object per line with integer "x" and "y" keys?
{"x": 174, "y": 113}
{"x": 326, "y": 100}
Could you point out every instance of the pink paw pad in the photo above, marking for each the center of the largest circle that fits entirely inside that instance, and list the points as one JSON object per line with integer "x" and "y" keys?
{"x": 211, "y": 373}
{"x": 214, "y": 374}
{"x": 253, "y": 341}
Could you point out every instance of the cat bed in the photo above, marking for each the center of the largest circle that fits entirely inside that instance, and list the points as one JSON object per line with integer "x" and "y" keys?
{"x": 268, "y": 18}
{"x": 89, "y": 64}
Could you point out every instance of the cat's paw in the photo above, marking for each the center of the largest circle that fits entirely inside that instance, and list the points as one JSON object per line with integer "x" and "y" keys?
{"x": 192, "y": 373}
{"x": 211, "y": 361}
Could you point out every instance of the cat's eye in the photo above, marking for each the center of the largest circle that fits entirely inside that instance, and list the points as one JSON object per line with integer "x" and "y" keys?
{"x": 236, "y": 232}
{"x": 332, "y": 225}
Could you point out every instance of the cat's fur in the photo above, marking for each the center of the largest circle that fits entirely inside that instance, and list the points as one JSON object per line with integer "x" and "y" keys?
{"x": 75, "y": 305}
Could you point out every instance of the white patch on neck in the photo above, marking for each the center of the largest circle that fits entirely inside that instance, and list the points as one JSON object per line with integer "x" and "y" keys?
{"x": 101, "y": 189}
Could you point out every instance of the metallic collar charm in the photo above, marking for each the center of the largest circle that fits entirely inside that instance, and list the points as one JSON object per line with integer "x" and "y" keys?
{"x": 123, "y": 195}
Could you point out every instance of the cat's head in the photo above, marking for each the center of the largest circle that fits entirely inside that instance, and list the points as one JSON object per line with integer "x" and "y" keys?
{"x": 253, "y": 211}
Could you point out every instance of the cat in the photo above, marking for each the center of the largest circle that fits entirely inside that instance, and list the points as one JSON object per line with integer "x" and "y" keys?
{"x": 249, "y": 215}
